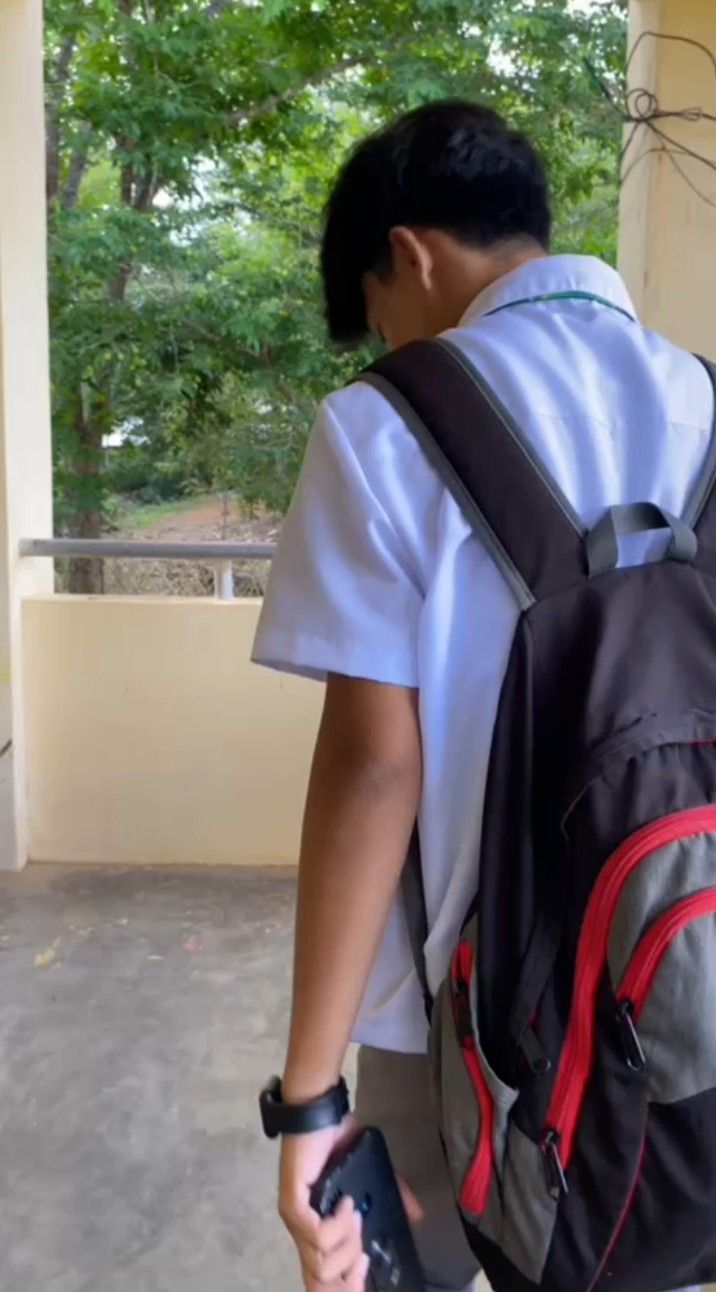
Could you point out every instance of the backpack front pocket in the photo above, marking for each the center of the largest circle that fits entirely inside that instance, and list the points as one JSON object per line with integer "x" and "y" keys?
{"x": 473, "y": 1104}
{"x": 577, "y": 1057}
{"x": 663, "y": 1003}
{"x": 637, "y": 981}
{"x": 475, "y": 1188}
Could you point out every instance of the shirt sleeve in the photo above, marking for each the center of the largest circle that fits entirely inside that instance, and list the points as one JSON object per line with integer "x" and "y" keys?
{"x": 342, "y": 597}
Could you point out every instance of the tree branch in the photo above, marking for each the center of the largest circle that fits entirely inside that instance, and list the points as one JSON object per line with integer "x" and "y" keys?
{"x": 61, "y": 70}
{"x": 145, "y": 191}
{"x": 126, "y": 179}
{"x": 56, "y": 82}
{"x": 117, "y": 285}
{"x": 79, "y": 162}
{"x": 244, "y": 116}
{"x": 52, "y": 155}
{"x": 117, "y": 288}
{"x": 268, "y": 217}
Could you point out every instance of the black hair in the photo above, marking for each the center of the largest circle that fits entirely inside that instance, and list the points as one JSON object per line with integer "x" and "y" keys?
{"x": 451, "y": 165}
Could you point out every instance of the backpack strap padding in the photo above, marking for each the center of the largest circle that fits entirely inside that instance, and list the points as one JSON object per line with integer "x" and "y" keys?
{"x": 506, "y": 493}
{"x": 701, "y": 512}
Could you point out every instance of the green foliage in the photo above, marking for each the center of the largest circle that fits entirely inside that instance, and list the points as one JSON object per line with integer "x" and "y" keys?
{"x": 191, "y": 144}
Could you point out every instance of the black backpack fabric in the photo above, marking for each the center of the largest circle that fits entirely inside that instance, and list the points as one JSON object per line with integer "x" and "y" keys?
{"x": 573, "y": 1045}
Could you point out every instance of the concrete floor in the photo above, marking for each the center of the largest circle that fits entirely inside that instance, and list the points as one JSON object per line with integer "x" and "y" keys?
{"x": 140, "y": 1010}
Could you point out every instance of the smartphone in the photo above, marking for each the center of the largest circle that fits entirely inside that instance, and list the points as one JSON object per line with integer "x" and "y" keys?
{"x": 363, "y": 1171}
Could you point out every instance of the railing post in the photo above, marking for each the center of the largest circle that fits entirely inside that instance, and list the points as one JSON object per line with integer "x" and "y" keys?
{"x": 224, "y": 580}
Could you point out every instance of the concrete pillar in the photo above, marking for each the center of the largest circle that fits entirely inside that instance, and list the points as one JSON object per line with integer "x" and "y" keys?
{"x": 25, "y": 445}
{"x": 668, "y": 231}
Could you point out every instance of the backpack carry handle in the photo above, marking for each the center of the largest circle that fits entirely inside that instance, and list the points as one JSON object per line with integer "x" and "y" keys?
{"x": 636, "y": 518}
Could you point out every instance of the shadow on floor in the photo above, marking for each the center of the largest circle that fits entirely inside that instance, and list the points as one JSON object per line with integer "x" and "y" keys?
{"x": 140, "y": 1010}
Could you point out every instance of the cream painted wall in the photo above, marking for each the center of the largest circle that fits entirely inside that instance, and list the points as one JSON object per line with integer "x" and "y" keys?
{"x": 668, "y": 233}
{"x": 152, "y": 739}
{"x": 25, "y": 455}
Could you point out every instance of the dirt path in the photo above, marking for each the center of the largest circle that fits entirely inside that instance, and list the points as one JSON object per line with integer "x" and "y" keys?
{"x": 207, "y": 523}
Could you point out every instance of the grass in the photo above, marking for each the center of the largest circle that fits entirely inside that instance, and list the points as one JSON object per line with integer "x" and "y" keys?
{"x": 145, "y": 515}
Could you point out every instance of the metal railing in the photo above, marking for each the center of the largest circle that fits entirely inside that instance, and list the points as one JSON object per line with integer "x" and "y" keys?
{"x": 219, "y": 556}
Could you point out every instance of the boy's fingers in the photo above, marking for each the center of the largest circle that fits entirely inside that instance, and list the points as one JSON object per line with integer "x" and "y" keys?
{"x": 330, "y": 1254}
{"x": 336, "y": 1267}
{"x": 357, "y": 1277}
{"x": 352, "y": 1280}
{"x": 328, "y": 1264}
{"x": 338, "y": 1228}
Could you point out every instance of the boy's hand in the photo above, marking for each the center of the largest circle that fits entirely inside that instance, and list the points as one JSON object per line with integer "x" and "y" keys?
{"x": 330, "y": 1250}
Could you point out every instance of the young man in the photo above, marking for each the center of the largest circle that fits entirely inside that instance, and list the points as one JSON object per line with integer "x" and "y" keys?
{"x": 440, "y": 222}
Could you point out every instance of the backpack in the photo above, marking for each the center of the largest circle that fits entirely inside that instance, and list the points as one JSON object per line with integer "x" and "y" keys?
{"x": 573, "y": 1044}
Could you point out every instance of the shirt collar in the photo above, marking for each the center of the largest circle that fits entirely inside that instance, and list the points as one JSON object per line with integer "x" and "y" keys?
{"x": 552, "y": 274}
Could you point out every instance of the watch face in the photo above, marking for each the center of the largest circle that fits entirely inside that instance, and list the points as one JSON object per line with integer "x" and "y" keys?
{"x": 269, "y": 1103}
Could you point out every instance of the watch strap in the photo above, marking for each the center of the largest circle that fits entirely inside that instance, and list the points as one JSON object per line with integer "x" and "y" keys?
{"x": 279, "y": 1118}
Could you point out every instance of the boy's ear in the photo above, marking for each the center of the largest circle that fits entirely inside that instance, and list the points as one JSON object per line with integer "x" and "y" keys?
{"x": 411, "y": 252}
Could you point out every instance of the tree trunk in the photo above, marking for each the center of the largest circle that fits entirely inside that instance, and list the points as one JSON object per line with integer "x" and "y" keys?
{"x": 86, "y": 575}
{"x": 79, "y": 162}
{"x": 57, "y": 81}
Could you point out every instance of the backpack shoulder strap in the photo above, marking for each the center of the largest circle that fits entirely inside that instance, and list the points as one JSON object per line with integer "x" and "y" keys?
{"x": 524, "y": 520}
{"x": 701, "y": 511}
{"x": 506, "y": 494}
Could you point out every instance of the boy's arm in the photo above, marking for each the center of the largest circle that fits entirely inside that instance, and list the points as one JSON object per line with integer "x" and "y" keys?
{"x": 361, "y": 809}
{"x": 360, "y": 812}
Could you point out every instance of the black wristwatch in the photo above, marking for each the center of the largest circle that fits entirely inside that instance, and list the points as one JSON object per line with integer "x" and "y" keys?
{"x": 301, "y": 1119}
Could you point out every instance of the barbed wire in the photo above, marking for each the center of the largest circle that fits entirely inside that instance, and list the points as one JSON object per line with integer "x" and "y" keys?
{"x": 641, "y": 109}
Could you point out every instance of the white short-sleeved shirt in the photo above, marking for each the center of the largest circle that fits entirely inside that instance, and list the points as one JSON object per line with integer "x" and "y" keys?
{"x": 378, "y": 574}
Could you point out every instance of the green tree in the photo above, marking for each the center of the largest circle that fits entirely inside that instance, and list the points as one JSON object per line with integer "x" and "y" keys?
{"x": 189, "y": 147}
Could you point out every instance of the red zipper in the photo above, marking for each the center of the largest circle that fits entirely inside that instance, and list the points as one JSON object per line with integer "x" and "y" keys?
{"x": 476, "y": 1185}
{"x": 636, "y": 983}
{"x": 577, "y": 1056}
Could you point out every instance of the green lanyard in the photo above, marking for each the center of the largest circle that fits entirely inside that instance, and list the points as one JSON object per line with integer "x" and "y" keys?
{"x": 562, "y": 296}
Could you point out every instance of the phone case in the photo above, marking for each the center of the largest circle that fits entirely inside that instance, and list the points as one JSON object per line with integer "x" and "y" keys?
{"x": 365, "y": 1173}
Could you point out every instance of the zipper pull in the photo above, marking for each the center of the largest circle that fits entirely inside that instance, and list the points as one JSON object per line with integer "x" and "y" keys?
{"x": 554, "y": 1171}
{"x": 633, "y": 1052}
{"x": 535, "y": 1054}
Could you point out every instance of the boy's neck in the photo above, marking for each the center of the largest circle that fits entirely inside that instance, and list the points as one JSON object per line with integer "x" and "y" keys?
{"x": 468, "y": 273}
